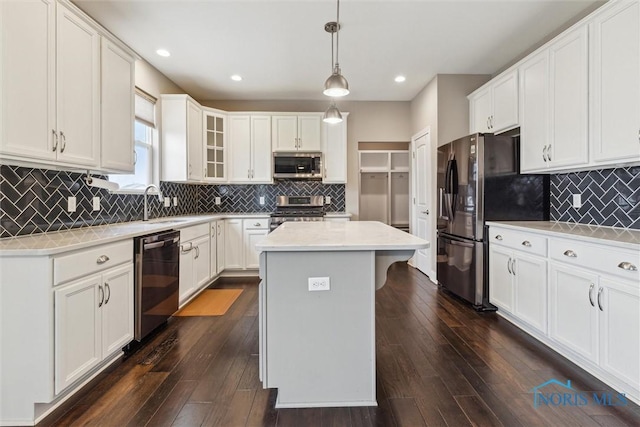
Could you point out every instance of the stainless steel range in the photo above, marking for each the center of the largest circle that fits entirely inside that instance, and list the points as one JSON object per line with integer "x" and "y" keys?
{"x": 297, "y": 208}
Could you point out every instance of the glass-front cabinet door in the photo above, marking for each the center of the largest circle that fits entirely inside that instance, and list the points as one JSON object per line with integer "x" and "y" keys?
{"x": 214, "y": 148}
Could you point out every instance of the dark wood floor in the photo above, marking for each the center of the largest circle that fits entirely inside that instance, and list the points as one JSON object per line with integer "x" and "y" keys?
{"x": 439, "y": 363}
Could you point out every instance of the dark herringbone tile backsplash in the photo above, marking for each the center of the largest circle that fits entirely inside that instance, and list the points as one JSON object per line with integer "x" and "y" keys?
{"x": 610, "y": 197}
{"x": 35, "y": 200}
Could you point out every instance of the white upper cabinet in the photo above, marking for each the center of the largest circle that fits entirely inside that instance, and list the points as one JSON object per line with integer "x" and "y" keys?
{"x": 118, "y": 86}
{"x": 494, "y": 107}
{"x": 534, "y": 117}
{"x": 505, "y": 102}
{"x": 52, "y": 67}
{"x": 182, "y": 132}
{"x": 568, "y": 96}
{"x": 250, "y": 149}
{"x": 27, "y": 67}
{"x": 296, "y": 132}
{"x": 554, "y": 105}
{"x": 615, "y": 84}
{"x": 77, "y": 89}
{"x": 334, "y": 151}
{"x": 214, "y": 145}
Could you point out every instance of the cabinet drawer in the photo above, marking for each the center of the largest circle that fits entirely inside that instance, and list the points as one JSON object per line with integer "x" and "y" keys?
{"x": 602, "y": 258}
{"x": 193, "y": 232}
{"x": 91, "y": 260}
{"x": 518, "y": 240}
{"x": 256, "y": 224}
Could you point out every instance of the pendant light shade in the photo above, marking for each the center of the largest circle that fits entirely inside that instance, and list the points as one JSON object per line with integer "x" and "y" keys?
{"x": 336, "y": 85}
{"x": 332, "y": 115}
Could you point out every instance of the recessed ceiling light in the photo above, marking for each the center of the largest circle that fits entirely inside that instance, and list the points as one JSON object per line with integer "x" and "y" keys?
{"x": 236, "y": 78}
{"x": 163, "y": 52}
{"x": 400, "y": 79}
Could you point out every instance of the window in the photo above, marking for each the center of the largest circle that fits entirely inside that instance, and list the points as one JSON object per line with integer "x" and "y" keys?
{"x": 145, "y": 147}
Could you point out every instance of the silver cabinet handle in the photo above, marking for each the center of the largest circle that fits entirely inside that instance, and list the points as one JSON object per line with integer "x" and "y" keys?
{"x": 491, "y": 122}
{"x": 488, "y": 125}
{"x": 55, "y": 139}
{"x": 102, "y": 259}
{"x": 184, "y": 249}
{"x": 197, "y": 252}
{"x": 509, "y": 266}
{"x": 248, "y": 173}
{"x": 219, "y": 229}
{"x": 108, "y": 289}
{"x": 257, "y": 224}
{"x": 498, "y": 237}
{"x": 544, "y": 153}
{"x": 591, "y": 294}
{"x": 570, "y": 253}
{"x": 425, "y": 212}
{"x": 513, "y": 266}
{"x": 135, "y": 158}
{"x": 600, "y": 299}
{"x": 64, "y": 142}
{"x": 549, "y": 152}
{"x": 101, "y": 296}
{"x": 205, "y": 171}
{"x": 253, "y": 174}
{"x": 526, "y": 243}
{"x": 627, "y": 266}
{"x": 189, "y": 169}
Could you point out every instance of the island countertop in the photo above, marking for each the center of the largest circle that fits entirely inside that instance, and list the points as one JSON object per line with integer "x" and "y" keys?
{"x": 339, "y": 236}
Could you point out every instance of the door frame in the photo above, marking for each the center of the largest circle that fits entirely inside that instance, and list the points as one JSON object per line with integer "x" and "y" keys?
{"x": 412, "y": 184}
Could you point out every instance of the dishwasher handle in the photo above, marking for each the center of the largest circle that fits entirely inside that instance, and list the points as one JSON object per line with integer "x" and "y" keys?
{"x": 160, "y": 244}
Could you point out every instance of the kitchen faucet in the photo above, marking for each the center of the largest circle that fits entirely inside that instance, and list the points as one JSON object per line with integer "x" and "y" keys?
{"x": 146, "y": 206}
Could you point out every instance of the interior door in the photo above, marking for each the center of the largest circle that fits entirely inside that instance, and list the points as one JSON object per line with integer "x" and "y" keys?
{"x": 423, "y": 183}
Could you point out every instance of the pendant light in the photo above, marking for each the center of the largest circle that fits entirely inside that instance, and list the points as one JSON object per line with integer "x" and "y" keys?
{"x": 332, "y": 115}
{"x": 336, "y": 85}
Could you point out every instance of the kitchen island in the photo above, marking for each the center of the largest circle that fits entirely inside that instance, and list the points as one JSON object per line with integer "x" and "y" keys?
{"x": 317, "y": 309}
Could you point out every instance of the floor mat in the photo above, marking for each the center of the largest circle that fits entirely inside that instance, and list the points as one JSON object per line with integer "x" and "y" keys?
{"x": 212, "y": 302}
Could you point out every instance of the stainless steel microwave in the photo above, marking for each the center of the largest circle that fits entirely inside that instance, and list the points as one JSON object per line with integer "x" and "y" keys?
{"x": 297, "y": 166}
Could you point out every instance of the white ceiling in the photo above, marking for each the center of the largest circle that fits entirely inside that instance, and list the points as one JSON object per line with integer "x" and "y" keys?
{"x": 282, "y": 52}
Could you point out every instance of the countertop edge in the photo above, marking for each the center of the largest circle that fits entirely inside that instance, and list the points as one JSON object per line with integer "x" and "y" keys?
{"x": 530, "y": 226}
{"x": 339, "y": 248}
{"x": 186, "y": 221}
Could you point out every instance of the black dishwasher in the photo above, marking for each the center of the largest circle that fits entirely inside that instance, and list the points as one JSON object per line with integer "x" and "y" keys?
{"x": 157, "y": 280}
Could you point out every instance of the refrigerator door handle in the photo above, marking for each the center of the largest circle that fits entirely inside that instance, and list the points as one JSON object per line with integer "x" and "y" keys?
{"x": 440, "y": 211}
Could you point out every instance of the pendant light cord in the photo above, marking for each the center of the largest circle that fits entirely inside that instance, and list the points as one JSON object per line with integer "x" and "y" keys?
{"x": 332, "y": 63}
{"x": 337, "y": 35}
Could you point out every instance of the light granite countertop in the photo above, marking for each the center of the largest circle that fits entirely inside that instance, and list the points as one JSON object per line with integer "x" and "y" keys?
{"x": 621, "y": 237}
{"x": 79, "y": 238}
{"x": 339, "y": 236}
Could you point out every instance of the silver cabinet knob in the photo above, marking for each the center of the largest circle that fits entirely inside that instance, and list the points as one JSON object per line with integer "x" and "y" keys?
{"x": 570, "y": 253}
{"x": 498, "y": 237}
{"x": 627, "y": 266}
{"x": 526, "y": 243}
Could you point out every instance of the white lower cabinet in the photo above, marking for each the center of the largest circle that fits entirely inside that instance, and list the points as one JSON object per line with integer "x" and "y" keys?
{"x": 254, "y": 230}
{"x": 573, "y": 317}
{"x": 217, "y": 247}
{"x": 195, "y": 270}
{"x": 593, "y": 299}
{"x": 233, "y": 245}
{"x": 93, "y": 319}
{"x": 618, "y": 302}
{"x": 518, "y": 285}
{"x": 240, "y": 240}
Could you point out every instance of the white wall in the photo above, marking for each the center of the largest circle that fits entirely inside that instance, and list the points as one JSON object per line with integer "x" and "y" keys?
{"x": 368, "y": 121}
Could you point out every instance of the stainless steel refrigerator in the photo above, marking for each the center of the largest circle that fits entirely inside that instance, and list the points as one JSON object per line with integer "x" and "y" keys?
{"x": 478, "y": 181}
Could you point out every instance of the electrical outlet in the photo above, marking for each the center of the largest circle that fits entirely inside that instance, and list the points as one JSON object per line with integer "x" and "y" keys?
{"x": 262, "y": 200}
{"x": 218, "y": 201}
{"x": 319, "y": 284}
{"x": 577, "y": 201}
{"x": 167, "y": 202}
{"x": 96, "y": 203}
{"x": 71, "y": 204}
{"x": 175, "y": 201}
{"x": 327, "y": 200}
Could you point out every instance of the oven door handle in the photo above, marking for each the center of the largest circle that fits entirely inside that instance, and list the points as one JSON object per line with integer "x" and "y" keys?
{"x": 160, "y": 244}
